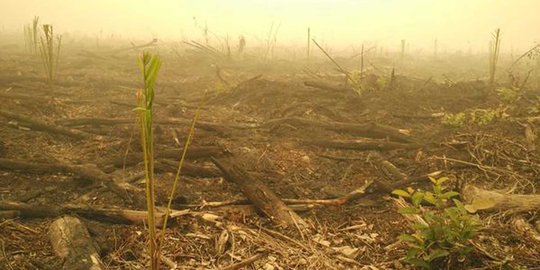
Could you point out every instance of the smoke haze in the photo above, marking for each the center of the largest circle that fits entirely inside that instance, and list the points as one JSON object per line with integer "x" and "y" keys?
{"x": 456, "y": 24}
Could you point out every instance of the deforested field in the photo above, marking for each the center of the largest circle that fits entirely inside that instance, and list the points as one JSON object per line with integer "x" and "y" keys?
{"x": 264, "y": 156}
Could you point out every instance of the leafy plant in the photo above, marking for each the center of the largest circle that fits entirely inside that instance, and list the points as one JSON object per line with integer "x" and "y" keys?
{"x": 484, "y": 117}
{"x": 149, "y": 65}
{"x": 455, "y": 120}
{"x": 473, "y": 117}
{"x": 443, "y": 232}
{"x": 50, "y": 53}
{"x": 355, "y": 80}
{"x": 509, "y": 94}
{"x": 381, "y": 83}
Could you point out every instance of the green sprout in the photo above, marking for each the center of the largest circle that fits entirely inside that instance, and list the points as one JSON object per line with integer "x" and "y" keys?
{"x": 149, "y": 65}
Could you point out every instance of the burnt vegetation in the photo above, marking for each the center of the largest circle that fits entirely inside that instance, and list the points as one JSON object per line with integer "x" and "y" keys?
{"x": 249, "y": 154}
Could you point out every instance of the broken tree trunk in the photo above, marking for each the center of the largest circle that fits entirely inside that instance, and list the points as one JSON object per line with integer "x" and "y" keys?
{"x": 369, "y": 130}
{"x": 188, "y": 169}
{"x": 328, "y": 86}
{"x": 112, "y": 215}
{"x": 362, "y": 145}
{"x": 72, "y": 242}
{"x": 525, "y": 228}
{"x": 194, "y": 152}
{"x": 264, "y": 199}
{"x": 42, "y": 126}
{"x": 87, "y": 174}
{"x": 485, "y": 200}
{"x": 172, "y": 121}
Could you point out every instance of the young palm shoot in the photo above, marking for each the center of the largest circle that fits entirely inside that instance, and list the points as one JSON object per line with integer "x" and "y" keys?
{"x": 50, "y": 53}
{"x": 149, "y": 65}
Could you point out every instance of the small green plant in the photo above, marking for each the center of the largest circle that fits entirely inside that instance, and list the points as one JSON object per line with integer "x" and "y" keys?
{"x": 455, "y": 120}
{"x": 509, "y": 94}
{"x": 149, "y": 65}
{"x": 381, "y": 83}
{"x": 485, "y": 117}
{"x": 50, "y": 53}
{"x": 443, "y": 233}
{"x": 479, "y": 117}
{"x": 355, "y": 80}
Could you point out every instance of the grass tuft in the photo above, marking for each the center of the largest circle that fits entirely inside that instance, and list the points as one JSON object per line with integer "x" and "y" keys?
{"x": 50, "y": 52}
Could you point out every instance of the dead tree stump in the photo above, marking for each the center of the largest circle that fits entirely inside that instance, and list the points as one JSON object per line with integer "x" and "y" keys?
{"x": 490, "y": 201}
{"x": 264, "y": 199}
{"x": 72, "y": 242}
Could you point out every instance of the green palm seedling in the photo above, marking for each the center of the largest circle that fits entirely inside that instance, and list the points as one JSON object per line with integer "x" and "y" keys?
{"x": 149, "y": 65}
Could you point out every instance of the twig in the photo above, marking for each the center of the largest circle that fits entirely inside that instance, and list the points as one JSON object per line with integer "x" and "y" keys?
{"x": 245, "y": 262}
{"x": 333, "y": 61}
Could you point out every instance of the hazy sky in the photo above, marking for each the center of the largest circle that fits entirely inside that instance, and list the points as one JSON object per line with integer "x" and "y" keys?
{"x": 454, "y": 23}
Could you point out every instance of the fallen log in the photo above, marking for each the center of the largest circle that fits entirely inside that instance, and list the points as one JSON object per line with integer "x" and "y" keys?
{"x": 244, "y": 263}
{"x": 72, "y": 243}
{"x": 88, "y": 174}
{"x": 9, "y": 214}
{"x": 95, "y": 121}
{"x": 369, "y": 130}
{"x": 22, "y": 96}
{"x": 194, "y": 152}
{"x": 389, "y": 170}
{"x": 329, "y": 86}
{"x": 525, "y": 228}
{"x": 264, "y": 199}
{"x": 112, "y": 215}
{"x": 189, "y": 169}
{"x": 172, "y": 121}
{"x": 362, "y": 145}
{"x": 134, "y": 47}
{"x": 42, "y": 126}
{"x": 478, "y": 199}
{"x": 298, "y": 205}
